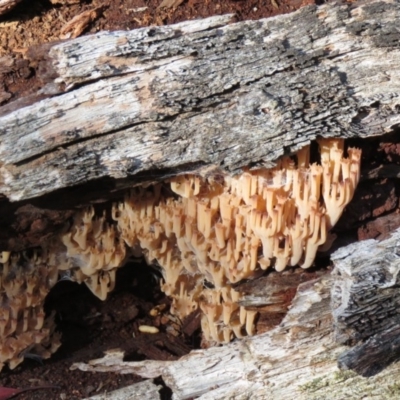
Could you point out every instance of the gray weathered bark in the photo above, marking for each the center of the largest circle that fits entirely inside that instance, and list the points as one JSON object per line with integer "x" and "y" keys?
{"x": 365, "y": 303}
{"x": 202, "y": 93}
{"x": 137, "y": 391}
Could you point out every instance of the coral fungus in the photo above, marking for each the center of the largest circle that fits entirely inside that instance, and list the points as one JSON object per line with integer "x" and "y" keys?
{"x": 222, "y": 232}
{"x": 206, "y": 235}
{"x": 24, "y": 283}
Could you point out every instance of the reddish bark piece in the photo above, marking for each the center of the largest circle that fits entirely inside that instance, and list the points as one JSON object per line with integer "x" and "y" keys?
{"x": 79, "y": 23}
{"x": 6, "y": 393}
{"x": 170, "y": 3}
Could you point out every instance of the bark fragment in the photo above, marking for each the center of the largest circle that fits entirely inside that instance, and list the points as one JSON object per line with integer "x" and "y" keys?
{"x": 7, "y": 5}
{"x": 157, "y": 100}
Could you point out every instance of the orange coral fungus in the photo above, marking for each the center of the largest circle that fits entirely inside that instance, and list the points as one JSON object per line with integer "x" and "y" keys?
{"x": 223, "y": 232}
{"x": 24, "y": 284}
{"x": 202, "y": 232}
{"x": 95, "y": 251}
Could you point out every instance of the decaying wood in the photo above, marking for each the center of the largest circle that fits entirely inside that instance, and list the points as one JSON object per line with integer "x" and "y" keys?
{"x": 277, "y": 289}
{"x": 297, "y": 359}
{"x": 365, "y": 303}
{"x": 138, "y": 391}
{"x": 373, "y": 356}
{"x": 79, "y": 23}
{"x": 6, "y": 66}
{"x": 113, "y": 362}
{"x": 170, "y": 3}
{"x": 7, "y": 5}
{"x": 170, "y": 99}
{"x": 64, "y": 1}
{"x": 251, "y": 365}
{"x": 366, "y": 291}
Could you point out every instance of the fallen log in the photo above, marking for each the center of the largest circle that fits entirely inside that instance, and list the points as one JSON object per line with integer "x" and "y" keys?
{"x": 166, "y": 100}
{"x": 207, "y": 96}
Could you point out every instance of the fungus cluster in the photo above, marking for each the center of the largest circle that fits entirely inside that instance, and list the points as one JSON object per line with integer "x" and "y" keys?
{"x": 222, "y": 232}
{"x": 223, "y": 317}
{"x": 24, "y": 283}
{"x": 206, "y": 234}
{"x": 93, "y": 252}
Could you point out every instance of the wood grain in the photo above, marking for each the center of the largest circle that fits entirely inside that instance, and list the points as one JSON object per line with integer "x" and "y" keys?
{"x": 203, "y": 93}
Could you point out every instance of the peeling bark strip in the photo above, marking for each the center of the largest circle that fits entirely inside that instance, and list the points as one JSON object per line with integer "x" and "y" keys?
{"x": 199, "y": 93}
{"x": 7, "y": 5}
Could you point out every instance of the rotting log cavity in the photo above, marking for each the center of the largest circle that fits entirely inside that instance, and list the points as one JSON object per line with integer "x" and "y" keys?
{"x": 198, "y": 230}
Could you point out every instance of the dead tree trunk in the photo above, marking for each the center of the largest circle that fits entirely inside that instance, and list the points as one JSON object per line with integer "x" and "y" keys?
{"x": 124, "y": 108}
{"x": 162, "y": 100}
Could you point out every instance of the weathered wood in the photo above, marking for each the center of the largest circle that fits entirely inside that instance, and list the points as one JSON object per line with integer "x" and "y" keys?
{"x": 365, "y": 293}
{"x": 274, "y": 360}
{"x": 373, "y": 356}
{"x": 277, "y": 289}
{"x": 157, "y": 101}
{"x": 251, "y": 363}
{"x": 7, "y": 5}
{"x": 365, "y": 303}
{"x": 201, "y": 93}
{"x": 138, "y": 391}
{"x": 113, "y": 361}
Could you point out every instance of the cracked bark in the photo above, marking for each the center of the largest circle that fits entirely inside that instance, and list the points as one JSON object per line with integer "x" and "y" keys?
{"x": 164, "y": 100}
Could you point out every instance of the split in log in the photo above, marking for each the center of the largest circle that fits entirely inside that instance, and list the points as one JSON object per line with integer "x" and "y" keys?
{"x": 206, "y": 236}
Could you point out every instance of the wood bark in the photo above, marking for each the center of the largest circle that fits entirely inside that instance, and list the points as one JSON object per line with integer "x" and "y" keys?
{"x": 365, "y": 303}
{"x": 144, "y": 104}
{"x": 137, "y": 391}
{"x": 7, "y": 5}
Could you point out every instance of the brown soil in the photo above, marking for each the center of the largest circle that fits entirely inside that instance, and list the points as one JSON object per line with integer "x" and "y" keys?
{"x": 88, "y": 325}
